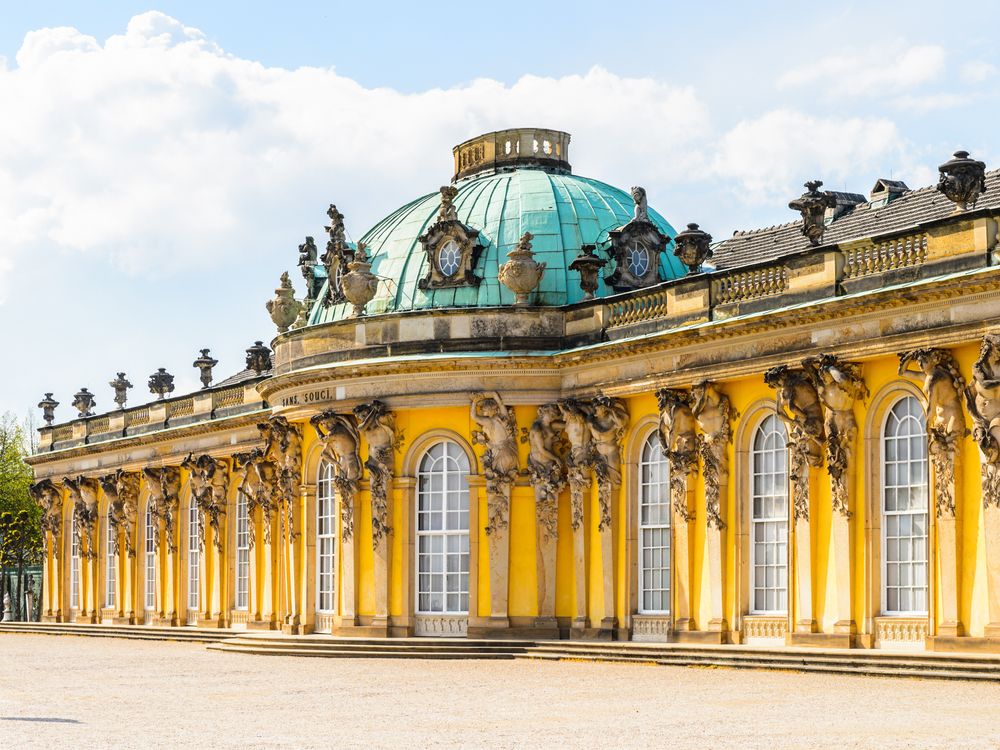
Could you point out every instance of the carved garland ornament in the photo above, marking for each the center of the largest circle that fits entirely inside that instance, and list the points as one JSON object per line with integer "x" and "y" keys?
{"x": 579, "y": 459}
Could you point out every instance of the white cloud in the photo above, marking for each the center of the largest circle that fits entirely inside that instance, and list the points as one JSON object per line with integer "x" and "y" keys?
{"x": 978, "y": 71}
{"x": 874, "y": 72}
{"x": 922, "y": 103}
{"x": 161, "y": 152}
{"x": 768, "y": 155}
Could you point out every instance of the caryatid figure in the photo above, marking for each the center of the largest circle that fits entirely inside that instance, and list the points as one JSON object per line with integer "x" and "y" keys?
{"x": 944, "y": 387}
{"x": 607, "y": 422}
{"x": 497, "y": 432}
{"x": 576, "y": 423}
{"x": 839, "y": 385}
{"x": 378, "y": 424}
{"x": 714, "y": 414}
{"x": 679, "y": 442}
{"x": 983, "y": 399}
{"x": 341, "y": 442}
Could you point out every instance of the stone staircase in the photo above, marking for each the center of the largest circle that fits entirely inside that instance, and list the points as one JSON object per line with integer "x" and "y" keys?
{"x": 878, "y": 663}
{"x": 372, "y": 648}
{"x": 131, "y": 632}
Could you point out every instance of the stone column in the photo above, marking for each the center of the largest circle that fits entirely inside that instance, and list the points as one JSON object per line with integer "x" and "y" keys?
{"x": 304, "y": 532}
{"x": 381, "y": 546}
{"x": 498, "y": 540}
{"x": 607, "y": 494}
{"x": 991, "y": 522}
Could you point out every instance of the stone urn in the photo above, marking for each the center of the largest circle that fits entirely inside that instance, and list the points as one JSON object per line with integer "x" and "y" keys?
{"x": 359, "y": 284}
{"x": 48, "y": 406}
{"x": 588, "y": 265}
{"x": 693, "y": 247}
{"x": 812, "y": 206}
{"x": 521, "y": 273}
{"x": 283, "y": 307}
{"x": 962, "y": 180}
{"x": 84, "y": 402}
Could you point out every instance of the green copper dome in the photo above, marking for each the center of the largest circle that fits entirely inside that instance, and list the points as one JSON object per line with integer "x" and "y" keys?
{"x": 562, "y": 211}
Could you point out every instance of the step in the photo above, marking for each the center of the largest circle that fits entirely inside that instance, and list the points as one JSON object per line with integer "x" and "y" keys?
{"x": 340, "y": 653}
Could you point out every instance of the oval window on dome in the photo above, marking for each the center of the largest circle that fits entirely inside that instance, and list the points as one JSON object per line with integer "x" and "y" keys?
{"x": 449, "y": 258}
{"x": 637, "y": 259}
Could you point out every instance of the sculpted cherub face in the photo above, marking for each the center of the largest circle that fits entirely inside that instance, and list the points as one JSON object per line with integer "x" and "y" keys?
{"x": 489, "y": 408}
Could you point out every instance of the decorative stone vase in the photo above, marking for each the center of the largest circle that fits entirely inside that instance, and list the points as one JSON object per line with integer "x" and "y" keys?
{"x": 588, "y": 265}
{"x": 812, "y": 206}
{"x": 962, "y": 180}
{"x": 161, "y": 383}
{"x": 284, "y": 308}
{"x": 359, "y": 284}
{"x": 258, "y": 357}
{"x": 205, "y": 363}
{"x": 120, "y": 385}
{"x": 693, "y": 247}
{"x": 84, "y": 402}
{"x": 521, "y": 273}
{"x": 48, "y": 406}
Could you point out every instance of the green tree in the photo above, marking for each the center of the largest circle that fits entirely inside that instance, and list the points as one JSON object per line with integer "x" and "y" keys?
{"x": 20, "y": 518}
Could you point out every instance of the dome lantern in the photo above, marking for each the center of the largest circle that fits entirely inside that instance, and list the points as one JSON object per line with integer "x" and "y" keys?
{"x": 508, "y": 149}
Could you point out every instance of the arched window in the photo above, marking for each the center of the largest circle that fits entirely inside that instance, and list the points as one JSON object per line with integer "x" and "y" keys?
{"x": 326, "y": 539}
{"x": 109, "y": 565}
{"x": 769, "y": 519}
{"x": 74, "y": 565}
{"x": 150, "y": 601}
{"x": 443, "y": 530}
{"x": 242, "y": 551}
{"x": 654, "y": 529}
{"x": 904, "y": 509}
{"x": 194, "y": 554}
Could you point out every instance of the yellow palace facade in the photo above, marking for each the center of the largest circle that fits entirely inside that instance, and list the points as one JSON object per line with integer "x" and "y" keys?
{"x": 524, "y": 405}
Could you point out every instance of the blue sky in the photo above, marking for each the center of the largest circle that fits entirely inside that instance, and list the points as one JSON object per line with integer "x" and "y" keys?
{"x": 160, "y": 164}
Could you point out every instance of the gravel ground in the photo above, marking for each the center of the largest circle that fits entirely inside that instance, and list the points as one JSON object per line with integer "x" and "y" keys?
{"x": 88, "y": 692}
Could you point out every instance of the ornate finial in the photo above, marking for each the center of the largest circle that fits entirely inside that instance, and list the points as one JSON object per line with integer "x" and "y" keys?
{"x": 283, "y": 308}
{"x": 693, "y": 247}
{"x": 521, "y": 273}
{"x": 812, "y": 206}
{"x": 161, "y": 383}
{"x": 48, "y": 406}
{"x": 205, "y": 363}
{"x": 641, "y": 212}
{"x": 359, "y": 284}
{"x": 84, "y": 402}
{"x": 962, "y": 180}
{"x": 121, "y": 386}
{"x": 448, "y": 211}
{"x": 588, "y": 265}
{"x": 258, "y": 358}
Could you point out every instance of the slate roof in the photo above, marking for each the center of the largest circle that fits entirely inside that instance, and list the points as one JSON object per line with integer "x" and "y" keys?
{"x": 864, "y": 220}
{"x": 240, "y": 377}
